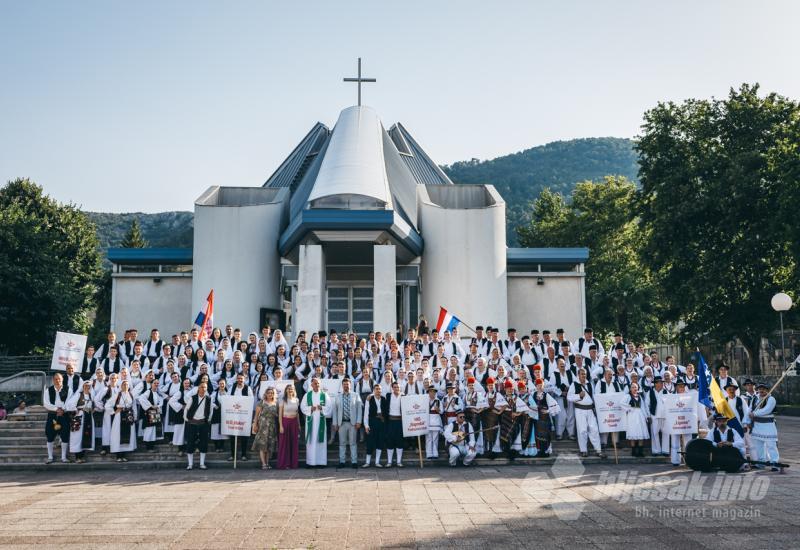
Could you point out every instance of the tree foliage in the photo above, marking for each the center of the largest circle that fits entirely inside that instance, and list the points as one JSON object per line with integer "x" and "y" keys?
{"x": 620, "y": 292}
{"x": 720, "y": 188}
{"x": 133, "y": 238}
{"x": 49, "y": 267}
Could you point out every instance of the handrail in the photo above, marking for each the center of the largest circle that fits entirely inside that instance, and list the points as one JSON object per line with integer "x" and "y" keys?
{"x": 40, "y": 374}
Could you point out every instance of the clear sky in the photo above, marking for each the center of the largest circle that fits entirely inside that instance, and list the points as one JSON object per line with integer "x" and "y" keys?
{"x": 140, "y": 106}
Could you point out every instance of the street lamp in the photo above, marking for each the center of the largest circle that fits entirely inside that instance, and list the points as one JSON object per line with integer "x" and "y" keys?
{"x": 782, "y": 302}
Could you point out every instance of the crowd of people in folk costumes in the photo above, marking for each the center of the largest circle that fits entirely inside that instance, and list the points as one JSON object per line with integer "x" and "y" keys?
{"x": 487, "y": 396}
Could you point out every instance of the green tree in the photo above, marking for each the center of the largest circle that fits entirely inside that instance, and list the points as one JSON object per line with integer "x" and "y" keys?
{"x": 133, "y": 238}
{"x": 620, "y": 293}
{"x": 49, "y": 267}
{"x": 719, "y": 193}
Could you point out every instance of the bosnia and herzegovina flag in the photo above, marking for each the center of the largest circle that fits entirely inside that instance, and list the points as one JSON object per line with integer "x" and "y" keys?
{"x": 712, "y": 396}
{"x": 447, "y": 321}
{"x": 205, "y": 319}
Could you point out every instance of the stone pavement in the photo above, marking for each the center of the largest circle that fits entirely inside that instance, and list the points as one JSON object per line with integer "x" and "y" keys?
{"x": 505, "y": 507}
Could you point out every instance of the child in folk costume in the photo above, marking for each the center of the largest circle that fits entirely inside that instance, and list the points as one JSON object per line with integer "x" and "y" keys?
{"x": 434, "y": 425}
{"x": 544, "y": 408}
{"x": 216, "y": 415}
{"x": 151, "y": 404}
{"x": 123, "y": 422}
{"x": 81, "y": 435}
{"x": 636, "y": 413}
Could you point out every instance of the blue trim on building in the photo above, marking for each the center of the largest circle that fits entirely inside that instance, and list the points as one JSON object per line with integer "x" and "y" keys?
{"x": 322, "y": 219}
{"x": 178, "y": 256}
{"x": 523, "y": 256}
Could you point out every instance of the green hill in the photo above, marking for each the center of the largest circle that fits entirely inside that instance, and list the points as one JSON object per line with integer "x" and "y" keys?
{"x": 559, "y": 165}
{"x": 518, "y": 177}
{"x": 164, "y": 229}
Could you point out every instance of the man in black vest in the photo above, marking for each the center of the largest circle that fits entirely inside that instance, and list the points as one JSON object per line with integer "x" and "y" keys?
{"x": 581, "y": 395}
{"x": 197, "y": 416}
{"x": 376, "y": 414}
{"x": 57, "y": 424}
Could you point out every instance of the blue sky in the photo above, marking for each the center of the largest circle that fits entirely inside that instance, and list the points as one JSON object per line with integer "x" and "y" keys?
{"x": 140, "y": 106}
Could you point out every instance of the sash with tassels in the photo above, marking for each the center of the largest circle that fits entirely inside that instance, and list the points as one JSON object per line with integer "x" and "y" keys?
{"x": 310, "y": 418}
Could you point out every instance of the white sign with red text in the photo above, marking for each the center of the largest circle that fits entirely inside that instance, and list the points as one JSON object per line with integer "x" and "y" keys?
{"x": 236, "y": 415}
{"x": 68, "y": 350}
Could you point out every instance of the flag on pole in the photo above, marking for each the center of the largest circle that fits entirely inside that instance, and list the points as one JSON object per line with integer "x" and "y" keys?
{"x": 712, "y": 396}
{"x": 447, "y": 321}
{"x": 205, "y": 319}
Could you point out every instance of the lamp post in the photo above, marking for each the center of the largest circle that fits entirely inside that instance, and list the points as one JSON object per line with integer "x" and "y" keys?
{"x": 782, "y": 302}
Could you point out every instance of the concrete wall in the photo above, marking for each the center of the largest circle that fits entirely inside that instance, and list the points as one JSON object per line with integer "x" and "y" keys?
{"x": 384, "y": 297}
{"x": 311, "y": 281}
{"x": 142, "y": 304}
{"x": 464, "y": 263}
{"x": 558, "y": 303}
{"x": 236, "y": 253}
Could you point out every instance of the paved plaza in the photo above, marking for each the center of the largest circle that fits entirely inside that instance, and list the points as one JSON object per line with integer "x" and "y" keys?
{"x": 564, "y": 506}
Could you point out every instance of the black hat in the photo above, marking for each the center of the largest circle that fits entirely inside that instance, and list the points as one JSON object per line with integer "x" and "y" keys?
{"x": 587, "y": 329}
{"x": 478, "y": 327}
{"x": 431, "y": 388}
{"x": 762, "y": 385}
{"x": 620, "y": 346}
{"x": 657, "y": 379}
{"x": 535, "y": 331}
{"x": 730, "y": 384}
{"x": 559, "y": 331}
{"x": 450, "y": 386}
{"x": 747, "y": 381}
{"x": 545, "y": 331}
{"x": 680, "y": 382}
{"x": 719, "y": 416}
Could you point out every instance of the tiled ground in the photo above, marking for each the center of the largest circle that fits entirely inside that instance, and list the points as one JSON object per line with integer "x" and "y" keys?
{"x": 497, "y": 507}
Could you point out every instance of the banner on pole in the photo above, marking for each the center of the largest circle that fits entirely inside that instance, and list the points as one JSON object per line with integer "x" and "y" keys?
{"x": 279, "y": 385}
{"x": 680, "y": 412}
{"x": 236, "y": 415}
{"x": 68, "y": 350}
{"x": 416, "y": 414}
{"x": 611, "y": 417}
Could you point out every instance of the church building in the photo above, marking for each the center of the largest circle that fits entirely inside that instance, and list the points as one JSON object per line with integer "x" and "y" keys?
{"x": 357, "y": 229}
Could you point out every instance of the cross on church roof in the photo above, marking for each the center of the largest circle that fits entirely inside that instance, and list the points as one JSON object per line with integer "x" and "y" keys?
{"x": 359, "y": 80}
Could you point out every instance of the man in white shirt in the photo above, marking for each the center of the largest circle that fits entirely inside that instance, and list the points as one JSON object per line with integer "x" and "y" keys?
{"x": 581, "y": 396}
{"x": 57, "y": 423}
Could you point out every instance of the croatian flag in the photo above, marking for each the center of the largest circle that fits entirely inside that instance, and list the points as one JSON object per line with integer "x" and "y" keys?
{"x": 205, "y": 319}
{"x": 447, "y": 321}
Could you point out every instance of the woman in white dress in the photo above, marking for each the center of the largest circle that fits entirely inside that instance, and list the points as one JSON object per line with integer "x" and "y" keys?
{"x": 102, "y": 399}
{"x": 637, "y": 412}
{"x": 81, "y": 430}
{"x": 123, "y": 422}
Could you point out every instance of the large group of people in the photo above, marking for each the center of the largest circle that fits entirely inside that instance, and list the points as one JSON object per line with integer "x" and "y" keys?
{"x": 488, "y": 396}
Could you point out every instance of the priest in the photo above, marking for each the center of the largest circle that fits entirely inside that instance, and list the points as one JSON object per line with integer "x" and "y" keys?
{"x": 316, "y": 405}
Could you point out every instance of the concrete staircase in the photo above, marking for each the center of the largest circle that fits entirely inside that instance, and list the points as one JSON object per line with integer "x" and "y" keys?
{"x": 23, "y": 447}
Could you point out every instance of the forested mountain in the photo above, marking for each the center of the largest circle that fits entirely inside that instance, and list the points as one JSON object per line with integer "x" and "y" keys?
{"x": 559, "y": 165}
{"x": 164, "y": 229}
{"x": 518, "y": 177}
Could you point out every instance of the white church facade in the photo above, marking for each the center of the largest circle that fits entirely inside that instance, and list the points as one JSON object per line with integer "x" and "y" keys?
{"x": 357, "y": 229}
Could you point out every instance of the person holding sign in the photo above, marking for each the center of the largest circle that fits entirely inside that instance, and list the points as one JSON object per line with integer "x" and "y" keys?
{"x": 348, "y": 411}
{"x": 460, "y": 438}
{"x": 316, "y": 406}
{"x": 636, "y": 420}
{"x": 197, "y": 417}
{"x": 239, "y": 441}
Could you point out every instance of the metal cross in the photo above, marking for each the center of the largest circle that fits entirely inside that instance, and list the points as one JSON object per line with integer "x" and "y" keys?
{"x": 359, "y": 80}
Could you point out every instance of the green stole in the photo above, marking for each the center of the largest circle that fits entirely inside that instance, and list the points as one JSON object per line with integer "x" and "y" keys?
{"x": 310, "y": 418}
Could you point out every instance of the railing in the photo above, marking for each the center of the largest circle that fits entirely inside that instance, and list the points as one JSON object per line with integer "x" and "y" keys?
{"x": 11, "y": 380}
{"x": 10, "y": 365}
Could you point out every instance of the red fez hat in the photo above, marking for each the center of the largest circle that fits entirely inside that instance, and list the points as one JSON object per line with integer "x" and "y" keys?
{"x": 489, "y": 380}
{"x": 508, "y": 384}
